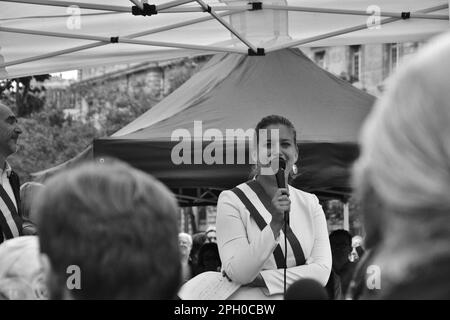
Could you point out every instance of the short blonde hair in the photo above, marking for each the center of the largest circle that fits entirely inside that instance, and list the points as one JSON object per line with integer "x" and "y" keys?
{"x": 405, "y": 142}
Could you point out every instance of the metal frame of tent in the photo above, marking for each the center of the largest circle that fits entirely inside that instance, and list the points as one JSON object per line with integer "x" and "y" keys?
{"x": 143, "y": 8}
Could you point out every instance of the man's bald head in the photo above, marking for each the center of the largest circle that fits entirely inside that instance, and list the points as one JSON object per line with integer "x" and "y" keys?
{"x": 9, "y": 131}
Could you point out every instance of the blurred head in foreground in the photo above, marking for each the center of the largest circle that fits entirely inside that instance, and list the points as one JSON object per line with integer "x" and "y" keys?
{"x": 21, "y": 274}
{"x": 403, "y": 174}
{"x": 306, "y": 289}
{"x": 108, "y": 231}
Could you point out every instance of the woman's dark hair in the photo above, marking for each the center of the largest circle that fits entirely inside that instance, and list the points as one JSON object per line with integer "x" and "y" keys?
{"x": 275, "y": 119}
{"x": 268, "y": 121}
{"x": 198, "y": 240}
{"x": 208, "y": 247}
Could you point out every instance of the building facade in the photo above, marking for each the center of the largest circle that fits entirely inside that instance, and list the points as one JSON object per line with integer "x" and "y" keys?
{"x": 365, "y": 66}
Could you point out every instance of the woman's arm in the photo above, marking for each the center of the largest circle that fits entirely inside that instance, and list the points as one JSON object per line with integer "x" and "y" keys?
{"x": 242, "y": 260}
{"x": 318, "y": 265}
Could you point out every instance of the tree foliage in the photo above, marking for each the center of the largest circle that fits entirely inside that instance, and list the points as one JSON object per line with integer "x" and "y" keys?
{"x": 50, "y": 137}
{"x": 27, "y": 96}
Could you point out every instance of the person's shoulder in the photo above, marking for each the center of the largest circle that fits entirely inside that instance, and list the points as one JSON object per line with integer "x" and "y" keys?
{"x": 230, "y": 194}
{"x": 309, "y": 200}
{"x": 307, "y": 196}
{"x": 232, "y": 190}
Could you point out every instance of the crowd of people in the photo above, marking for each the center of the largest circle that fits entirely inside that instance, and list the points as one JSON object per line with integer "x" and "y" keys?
{"x": 105, "y": 230}
{"x": 202, "y": 257}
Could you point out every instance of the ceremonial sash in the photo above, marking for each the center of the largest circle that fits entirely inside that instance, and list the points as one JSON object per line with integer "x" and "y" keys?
{"x": 292, "y": 239}
{"x": 10, "y": 222}
{"x": 261, "y": 223}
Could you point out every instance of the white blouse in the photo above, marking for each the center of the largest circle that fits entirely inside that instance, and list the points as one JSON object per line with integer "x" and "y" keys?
{"x": 246, "y": 251}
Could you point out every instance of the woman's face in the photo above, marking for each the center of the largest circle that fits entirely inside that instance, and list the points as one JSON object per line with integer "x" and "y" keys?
{"x": 271, "y": 149}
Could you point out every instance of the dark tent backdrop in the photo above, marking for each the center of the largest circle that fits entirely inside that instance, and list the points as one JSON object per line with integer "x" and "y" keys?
{"x": 234, "y": 91}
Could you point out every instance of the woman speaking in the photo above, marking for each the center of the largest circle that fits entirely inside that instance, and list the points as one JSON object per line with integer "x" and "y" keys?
{"x": 250, "y": 222}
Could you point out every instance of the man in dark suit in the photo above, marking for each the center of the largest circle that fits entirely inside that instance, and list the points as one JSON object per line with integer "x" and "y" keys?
{"x": 11, "y": 222}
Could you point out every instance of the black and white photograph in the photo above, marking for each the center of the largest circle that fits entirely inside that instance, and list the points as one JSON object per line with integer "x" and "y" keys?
{"x": 225, "y": 155}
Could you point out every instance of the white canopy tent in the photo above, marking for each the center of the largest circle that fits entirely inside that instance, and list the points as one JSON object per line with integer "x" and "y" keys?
{"x": 43, "y": 36}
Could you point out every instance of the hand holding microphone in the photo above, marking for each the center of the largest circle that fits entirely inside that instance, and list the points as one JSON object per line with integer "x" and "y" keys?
{"x": 281, "y": 201}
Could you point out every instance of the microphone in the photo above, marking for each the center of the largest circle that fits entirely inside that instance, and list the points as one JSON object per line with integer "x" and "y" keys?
{"x": 281, "y": 182}
{"x": 306, "y": 289}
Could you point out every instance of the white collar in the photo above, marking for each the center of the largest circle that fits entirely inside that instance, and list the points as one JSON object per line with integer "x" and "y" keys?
{"x": 7, "y": 169}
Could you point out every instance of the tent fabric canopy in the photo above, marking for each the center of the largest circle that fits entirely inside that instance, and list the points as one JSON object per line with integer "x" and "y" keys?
{"x": 43, "y": 36}
{"x": 234, "y": 91}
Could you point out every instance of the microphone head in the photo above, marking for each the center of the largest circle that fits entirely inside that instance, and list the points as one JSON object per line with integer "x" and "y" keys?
{"x": 282, "y": 163}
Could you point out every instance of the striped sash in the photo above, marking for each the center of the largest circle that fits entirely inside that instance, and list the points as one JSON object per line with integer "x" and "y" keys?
{"x": 10, "y": 222}
{"x": 261, "y": 223}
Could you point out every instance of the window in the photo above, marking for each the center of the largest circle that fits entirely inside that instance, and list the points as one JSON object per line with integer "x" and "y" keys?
{"x": 355, "y": 63}
{"x": 393, "y": 56}
{"x": 319, "y": 58}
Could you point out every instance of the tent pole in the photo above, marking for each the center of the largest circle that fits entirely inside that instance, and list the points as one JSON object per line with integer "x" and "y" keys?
{"x": 138, "y": 4}
{"x": 194, "y": 199}
{"x": 52, "y": 54}
{"x": 172, "y": 4}
{"x": 101, "y": 43}
{"x": 67, "y": 15}
{"x": 182, "y": 10}
{"x": 180, "y": 24}
{"x": 326, "y": 35}
{"x": 343, "y": 31}
{"x": 215, "y": 8}
{"x": 354, "y": 12}
{"x": 82, "y": 5}
{"x": 163, "y": 6}
{"x": 346, "y": 216}
{"x": 124, "y": 40}
{"x": 226, "y": 25}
